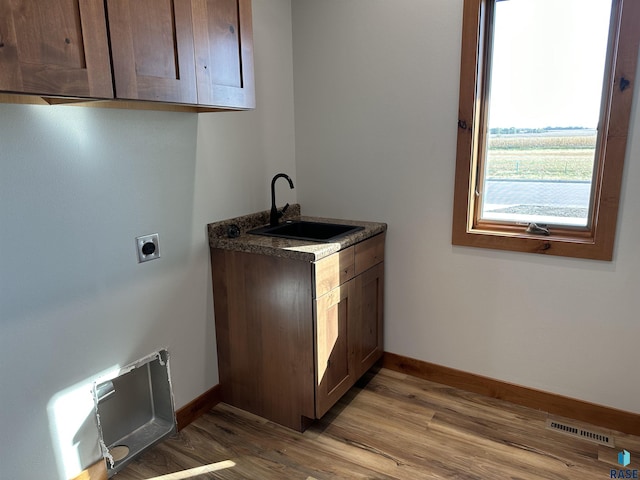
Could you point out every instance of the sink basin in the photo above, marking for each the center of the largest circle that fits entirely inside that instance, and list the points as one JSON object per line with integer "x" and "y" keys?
{"x": 304, "y": 230}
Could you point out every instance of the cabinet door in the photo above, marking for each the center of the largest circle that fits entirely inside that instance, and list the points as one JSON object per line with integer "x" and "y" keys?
{"x": 334, "y": 364}
{"x": 152, "y": 49}
{"x": 366, "y": 333}
{"x": 57, "y": 47}
{"x": 224, "y": 52}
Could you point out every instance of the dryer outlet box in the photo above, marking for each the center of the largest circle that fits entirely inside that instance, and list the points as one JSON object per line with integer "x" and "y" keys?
{"x": 148, "y": 247}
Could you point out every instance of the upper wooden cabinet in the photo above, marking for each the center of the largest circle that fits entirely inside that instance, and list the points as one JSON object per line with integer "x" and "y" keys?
{"x": 57, "y": 47}
{"x": 188, "y": 52}
{"x": 183, "y": 51}
{"x": 152, "y": 48}
{"x": 224, "y": 52}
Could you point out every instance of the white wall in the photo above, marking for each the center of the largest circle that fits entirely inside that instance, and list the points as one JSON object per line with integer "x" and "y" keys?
{"x": 376, "y": 102}
{"x": 77, "y": 185}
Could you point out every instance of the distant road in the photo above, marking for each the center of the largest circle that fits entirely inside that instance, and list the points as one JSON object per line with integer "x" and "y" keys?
{"x": 537, "y": 192}
{"x": 577, "y": 132}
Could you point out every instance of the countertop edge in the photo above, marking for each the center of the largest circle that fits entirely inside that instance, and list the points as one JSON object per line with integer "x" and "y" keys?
{"x": 282, "y": 247}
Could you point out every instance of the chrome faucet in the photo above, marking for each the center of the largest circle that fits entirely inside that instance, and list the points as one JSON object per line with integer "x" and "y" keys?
{"x": 275, "y": 214}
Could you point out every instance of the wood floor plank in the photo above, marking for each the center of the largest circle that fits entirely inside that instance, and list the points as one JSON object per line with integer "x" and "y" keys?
{"x": 390, "y": 426}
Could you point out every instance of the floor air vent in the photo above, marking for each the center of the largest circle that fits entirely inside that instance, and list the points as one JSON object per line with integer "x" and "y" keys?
{"x": 582, "y": 433}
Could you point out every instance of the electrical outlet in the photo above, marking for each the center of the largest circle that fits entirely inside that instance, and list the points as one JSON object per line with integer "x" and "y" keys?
{"x": 148, "y": 247}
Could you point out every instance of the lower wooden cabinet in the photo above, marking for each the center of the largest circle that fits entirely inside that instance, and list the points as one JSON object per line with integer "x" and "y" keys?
{"x": 294, "y": 336}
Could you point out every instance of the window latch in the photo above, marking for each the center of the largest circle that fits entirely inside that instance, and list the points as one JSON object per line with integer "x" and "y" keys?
{"x": 537, "y": 229}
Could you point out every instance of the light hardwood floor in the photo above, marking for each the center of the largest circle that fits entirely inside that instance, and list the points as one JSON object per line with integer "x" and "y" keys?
{"x": 389, "y": 426}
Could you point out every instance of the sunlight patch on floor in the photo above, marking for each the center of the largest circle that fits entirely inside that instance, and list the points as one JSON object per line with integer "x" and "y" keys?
{"x": 193, "y": 472}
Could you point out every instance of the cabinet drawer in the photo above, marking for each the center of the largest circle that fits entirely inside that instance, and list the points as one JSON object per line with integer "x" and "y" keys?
{"x": 369, "y": 253}
{"x": 334, "y": 270}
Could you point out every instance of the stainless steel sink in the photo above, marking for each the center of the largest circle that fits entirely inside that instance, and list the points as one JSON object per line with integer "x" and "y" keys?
{"x": 304, "y": 230}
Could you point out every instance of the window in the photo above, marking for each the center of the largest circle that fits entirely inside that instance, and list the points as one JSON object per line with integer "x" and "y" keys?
{"x": 545, "y": 97}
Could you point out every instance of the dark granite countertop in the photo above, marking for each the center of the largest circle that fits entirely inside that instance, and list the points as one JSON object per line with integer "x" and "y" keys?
{"x": 284, "y": 247}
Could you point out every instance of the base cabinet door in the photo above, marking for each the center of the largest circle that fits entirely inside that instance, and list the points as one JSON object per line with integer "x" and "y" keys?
{"x": 348, "y": 325}
{"x": 366, "y": 329}
{"x": 57, "y": 48}
{"x": 334, "y": 314}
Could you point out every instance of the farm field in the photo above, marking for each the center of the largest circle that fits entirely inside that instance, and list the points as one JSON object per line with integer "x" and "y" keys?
{"x": 541, "y": 157}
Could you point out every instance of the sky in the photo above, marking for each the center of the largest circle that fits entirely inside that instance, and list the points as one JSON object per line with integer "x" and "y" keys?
{"x": 548, "y": 62}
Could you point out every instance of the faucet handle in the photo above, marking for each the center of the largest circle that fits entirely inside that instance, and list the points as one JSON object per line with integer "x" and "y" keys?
{"x": 284, "y": 209}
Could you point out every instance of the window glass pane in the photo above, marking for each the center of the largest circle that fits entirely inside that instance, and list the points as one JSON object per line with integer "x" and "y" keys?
{"x": 547, "y": 69}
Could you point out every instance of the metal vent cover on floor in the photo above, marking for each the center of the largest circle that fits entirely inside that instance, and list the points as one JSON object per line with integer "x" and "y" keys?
{"x": 575, "y": 431}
